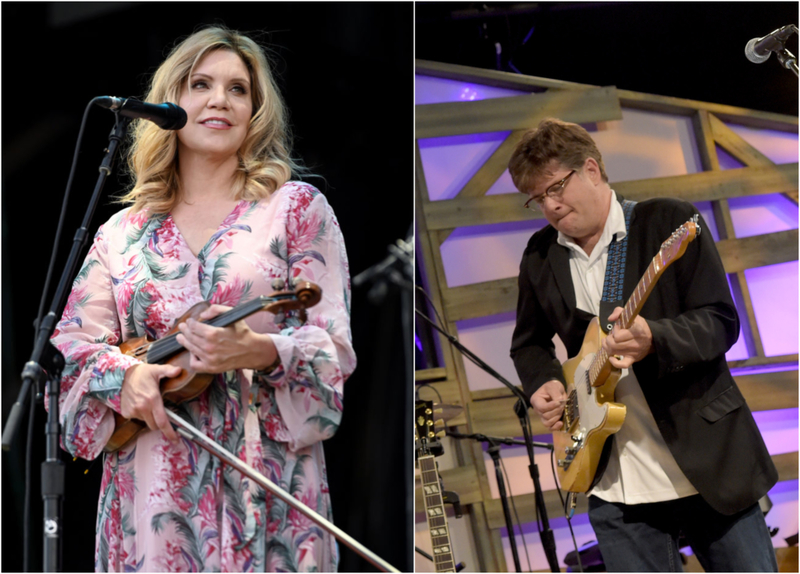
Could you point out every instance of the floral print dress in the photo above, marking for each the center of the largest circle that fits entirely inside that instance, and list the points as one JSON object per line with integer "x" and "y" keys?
{"x": 174, "y": 507}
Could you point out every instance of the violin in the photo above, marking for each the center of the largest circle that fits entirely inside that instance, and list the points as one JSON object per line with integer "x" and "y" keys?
{"x": 166, "y": 350}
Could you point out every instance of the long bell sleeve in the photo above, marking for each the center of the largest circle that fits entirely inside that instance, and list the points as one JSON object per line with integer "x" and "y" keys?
{"x": 302, "y": 400}
{"x": 87, "y": 335}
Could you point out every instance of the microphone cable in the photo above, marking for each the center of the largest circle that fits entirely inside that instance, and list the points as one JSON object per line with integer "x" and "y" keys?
{"x": 564, "y": 506}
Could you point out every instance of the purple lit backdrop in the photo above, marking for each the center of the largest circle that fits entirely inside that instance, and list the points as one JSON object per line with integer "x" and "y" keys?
{"x": 476, "y": 254}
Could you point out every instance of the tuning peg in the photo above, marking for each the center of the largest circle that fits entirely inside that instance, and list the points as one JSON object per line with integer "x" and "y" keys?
{"x": 441, "y": 434}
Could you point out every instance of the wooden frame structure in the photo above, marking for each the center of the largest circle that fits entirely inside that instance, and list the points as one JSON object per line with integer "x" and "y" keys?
{"x": 489, "y": 410}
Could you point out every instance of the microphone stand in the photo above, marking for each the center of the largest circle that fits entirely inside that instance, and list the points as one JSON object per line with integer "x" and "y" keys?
{"x": 545, "y": 533}
{"x": 787, "y": 60}
{"x": 494, "y": 451}
{"x": 47, "y": 356}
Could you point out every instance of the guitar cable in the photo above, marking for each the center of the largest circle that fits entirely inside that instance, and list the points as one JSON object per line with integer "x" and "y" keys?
{"x": 568, "y": 515}
{"x": 516, "y": 516}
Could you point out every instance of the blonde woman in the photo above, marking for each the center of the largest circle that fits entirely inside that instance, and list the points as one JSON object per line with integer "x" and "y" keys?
{"x": 214, "y": 217}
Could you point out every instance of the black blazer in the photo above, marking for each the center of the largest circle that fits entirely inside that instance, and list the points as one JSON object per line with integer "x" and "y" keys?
{"x": 697, "y": 406}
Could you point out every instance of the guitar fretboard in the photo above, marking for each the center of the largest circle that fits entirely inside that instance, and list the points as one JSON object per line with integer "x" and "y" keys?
{"x": 437, "y": 520}
{"x": 601, "y": 366}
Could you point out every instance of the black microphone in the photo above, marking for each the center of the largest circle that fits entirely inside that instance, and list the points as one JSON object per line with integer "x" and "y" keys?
{"x": 758, "y": 50}
{"x": 167, "y": 116}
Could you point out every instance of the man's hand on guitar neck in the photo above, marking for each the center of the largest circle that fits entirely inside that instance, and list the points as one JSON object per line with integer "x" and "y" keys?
{"x": 626, "y": 346}
{"x": 548, "y": 402}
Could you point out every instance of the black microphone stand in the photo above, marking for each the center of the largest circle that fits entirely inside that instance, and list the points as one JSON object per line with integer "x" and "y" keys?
{"x": 494, "y": 451}
{"x": 546, "y": 534}
{"x": 46, "y": 363}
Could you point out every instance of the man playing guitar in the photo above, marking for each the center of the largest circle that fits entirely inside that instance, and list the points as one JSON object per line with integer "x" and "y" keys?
{"x": 689, "y": 457}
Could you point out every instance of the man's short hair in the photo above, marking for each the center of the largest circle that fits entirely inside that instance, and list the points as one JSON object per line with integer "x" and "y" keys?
{"x": 567, "y": 144}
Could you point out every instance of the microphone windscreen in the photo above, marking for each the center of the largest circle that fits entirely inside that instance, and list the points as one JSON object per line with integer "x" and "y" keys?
{"x": 752, "y": 55}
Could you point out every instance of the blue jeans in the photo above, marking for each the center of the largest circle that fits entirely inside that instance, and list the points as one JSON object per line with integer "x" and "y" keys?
{"x": 644, "y": 537}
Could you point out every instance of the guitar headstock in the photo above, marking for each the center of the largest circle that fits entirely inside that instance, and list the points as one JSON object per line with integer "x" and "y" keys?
{"x": 425, "y": 434}
{"x": 675, "y": 245}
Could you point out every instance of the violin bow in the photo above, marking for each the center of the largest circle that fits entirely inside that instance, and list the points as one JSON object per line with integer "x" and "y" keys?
{"x": 188, "y": 431}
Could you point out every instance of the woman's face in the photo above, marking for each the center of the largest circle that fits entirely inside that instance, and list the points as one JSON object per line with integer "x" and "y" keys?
{"x": 218, "y": 106}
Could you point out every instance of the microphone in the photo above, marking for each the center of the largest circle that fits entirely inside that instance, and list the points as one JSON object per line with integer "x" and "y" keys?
{"x": 758, "y": 50}
{"x": 167, "y": 116}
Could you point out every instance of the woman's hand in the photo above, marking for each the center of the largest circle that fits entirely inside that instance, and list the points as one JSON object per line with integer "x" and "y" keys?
{"x": 219, "y": 349}
{"x": 141, "y": 396}
{"x": 548, "y": 402}
{"x": 626, "y": 346}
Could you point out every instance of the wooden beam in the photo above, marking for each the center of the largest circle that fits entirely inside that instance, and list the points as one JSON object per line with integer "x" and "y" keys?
{"x": 497, "y": 418}
{"x": 494, "y": 167}
{"x": 763, "y": 392}
{"x": 701, "y": 123}
{"x": 447, "y": 389}
{"x": 740, "y": 149}
{"x": 758, "y": 250}
{"x": 769, "y": 391}
{"x": 430, "y": 375}
{"x": 786, "y": 465}
{"x": 481, "y": 299}
{"x": 703, "y": 186}
{"x": 505, "y": 80}
{"x": 516, "y": 112}
{"x": 735, "y": 145}
{"x": 788, "y": 361}
{"x": 500, "y": 295}
{"x": 730, "y": 114}
{"x": 628, "y": 99}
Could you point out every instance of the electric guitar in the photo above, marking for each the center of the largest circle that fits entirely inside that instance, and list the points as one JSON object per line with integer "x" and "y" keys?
{"x": 590, "y": 415}
{"x": 427, "y": 448}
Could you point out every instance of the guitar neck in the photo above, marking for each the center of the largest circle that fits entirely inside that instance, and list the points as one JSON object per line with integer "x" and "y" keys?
{"x": 601, "y": 366}
{"x": 437, "y": 519}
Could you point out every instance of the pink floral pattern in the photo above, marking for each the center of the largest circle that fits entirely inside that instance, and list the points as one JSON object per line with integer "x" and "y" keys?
{"x": 174, "y": 507}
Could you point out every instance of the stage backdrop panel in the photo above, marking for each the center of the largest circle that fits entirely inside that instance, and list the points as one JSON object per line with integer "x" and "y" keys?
{"x": 738, "y": 166}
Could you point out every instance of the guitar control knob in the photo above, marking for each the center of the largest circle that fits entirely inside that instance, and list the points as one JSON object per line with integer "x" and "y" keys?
{"x": 570, "y": 450}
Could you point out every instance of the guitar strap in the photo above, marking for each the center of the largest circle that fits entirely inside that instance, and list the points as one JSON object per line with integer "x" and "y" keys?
{"x": 615, "y": 271}
{"x": 612, "y": 298}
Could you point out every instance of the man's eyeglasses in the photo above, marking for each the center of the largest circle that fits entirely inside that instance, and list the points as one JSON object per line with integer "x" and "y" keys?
{"x": 555, "y": 191}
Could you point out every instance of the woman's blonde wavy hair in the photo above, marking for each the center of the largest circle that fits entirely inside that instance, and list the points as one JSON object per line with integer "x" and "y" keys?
{"x": 265, "y": 163}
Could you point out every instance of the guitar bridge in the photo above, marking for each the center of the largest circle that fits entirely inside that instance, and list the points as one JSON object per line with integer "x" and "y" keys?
{"x": 572, "y": 450}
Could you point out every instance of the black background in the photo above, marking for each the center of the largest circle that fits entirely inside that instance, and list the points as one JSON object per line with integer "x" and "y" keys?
{"x": 692, "y": 50}
{"x": 346, "y": 72}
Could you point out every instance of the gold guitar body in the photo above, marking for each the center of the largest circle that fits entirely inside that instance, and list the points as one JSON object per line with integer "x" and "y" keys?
{"x": 590, "y": 415}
